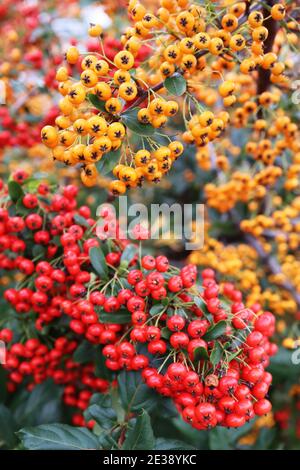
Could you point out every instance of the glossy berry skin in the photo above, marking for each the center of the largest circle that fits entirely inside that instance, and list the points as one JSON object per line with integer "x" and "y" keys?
{"x": 175, "y": 323}
{"x": 148, "y": 262}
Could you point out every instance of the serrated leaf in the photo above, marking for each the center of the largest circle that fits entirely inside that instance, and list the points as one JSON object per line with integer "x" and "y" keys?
{"x": 231, "y": 356}
{"x": 81, "y": 221}
{"x": 156, "y": 309}
{"x": 108, "y": 162}
{"x": 200, "y": 353}
{"x": 119, "y": 318}
{"x": 134, "y": 393}
{"x": 140, "y": 436}
{"x": 215, "y": 331}
{"x": 129, "y": 253}
{"x": 15, "y": 191}
{"x": 216, "y": 354}
{"x": 129, "y": 119}
{"x": 98, "y": 261}
{"x": 96, "y": 102}
{"x": 57, "y": 437}
{"x": 176, "y": 85}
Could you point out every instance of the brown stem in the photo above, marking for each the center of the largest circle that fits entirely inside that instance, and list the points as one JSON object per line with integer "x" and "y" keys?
{"x": 263, "y": 81}
{"x": 122, "y": 437}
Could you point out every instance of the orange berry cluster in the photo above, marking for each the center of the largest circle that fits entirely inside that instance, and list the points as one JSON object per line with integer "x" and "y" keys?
{"x": 82, "y": 137}
{"x": 111, "y": 99}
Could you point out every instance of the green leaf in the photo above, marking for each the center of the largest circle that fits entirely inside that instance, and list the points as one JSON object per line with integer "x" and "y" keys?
{"x": 100, "y": 105}
{"x": 129, "y": 253}
{"x": 134, "y": 393}
{"x": 162, "y": 443}
{"x": 225, "y": 439}
{"x": 102, "y": 413}
{"x": 215, "y": 331}
{"x": 166, "y": 333}
{"x": 200, "y": 353}
{"x": 8, "y": 427}
{"x": 216, "y": 354}
{"x": 20, "y": 208}
{"x": 283, "y": 365}
{"x": 129, "y": 119}
{"x": 85, "y": 353}
{"x": 81, "y": 221}
{"x": 176, "y": 85}
{"x": 116, "y": 318}
{"x": 202, "y": 305}
{"x": 57, "y": 437}
{"x": 265, "y": 438}
{"x": 100, "y": 368}
{"x": 108, "y": 162}
{"x": 41, "y": 405}
{"x": 15, "y": 191}
{"x": 156, "y": 309}
{"x": 140, "y": 436}
{"x": 98, "y": 261}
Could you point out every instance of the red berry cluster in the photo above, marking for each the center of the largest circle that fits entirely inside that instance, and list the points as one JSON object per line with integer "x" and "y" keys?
{"x": 19, "y": 133}
{"x": 33, "y": 362}
{"x": 194, "y": 342}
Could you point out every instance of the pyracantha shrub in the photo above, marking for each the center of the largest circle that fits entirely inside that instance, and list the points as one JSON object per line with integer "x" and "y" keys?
{"x": 166, "y": 54}
{"x": 191, "y": 338}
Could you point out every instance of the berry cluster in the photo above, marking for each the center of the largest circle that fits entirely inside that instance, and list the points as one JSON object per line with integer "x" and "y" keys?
{"x": 32, "y": 362}
{"x": 186, "y": 46}
{"x": 81, "y": 137}
{"x": 204, "y": 348}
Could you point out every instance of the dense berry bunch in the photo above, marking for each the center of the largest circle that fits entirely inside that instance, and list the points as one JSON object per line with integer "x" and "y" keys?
{"x": 194, "y": 342}
{"x": 184, "y": 47}
{"x": 83, "y": 137}
{"x": 31, "y": 362}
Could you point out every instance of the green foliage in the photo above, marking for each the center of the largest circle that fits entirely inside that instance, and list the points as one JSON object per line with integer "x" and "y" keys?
{"x": 215, "y": 331}
{"x": 140, "y": 436}
{"x": 15, "y": 191}
{"x": 98, "y": 261}
{"x": 176, "y": 85}
{"x": 57, "y": 437}
{"x": 134, "y": 393}
{"x": 108, "y": 162}
{"x": 130, "y": 120}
